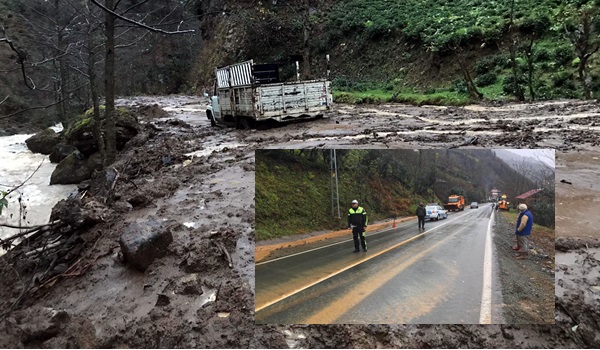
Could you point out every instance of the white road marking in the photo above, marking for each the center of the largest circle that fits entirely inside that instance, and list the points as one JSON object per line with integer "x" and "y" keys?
{"x": 330, "y": 245}
{"x": 485, "y": 315}
{"x": 287, "y": 295}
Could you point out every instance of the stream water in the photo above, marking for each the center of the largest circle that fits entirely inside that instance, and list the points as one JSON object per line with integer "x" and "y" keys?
{"x": 31, "y": 203}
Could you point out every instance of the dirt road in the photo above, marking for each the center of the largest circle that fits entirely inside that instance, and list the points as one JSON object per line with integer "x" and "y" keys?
{"x": 192, "y": 298}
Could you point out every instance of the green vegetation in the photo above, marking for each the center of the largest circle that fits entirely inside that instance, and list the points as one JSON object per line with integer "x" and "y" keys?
{"x": 538, "y": 226}
{"x": 293, "y": 187}
{"x": 528, "y": 50}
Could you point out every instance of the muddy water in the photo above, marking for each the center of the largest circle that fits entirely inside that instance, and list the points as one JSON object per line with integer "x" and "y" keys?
{"x": 36, "y": 196}
{"x": 577, "y": 203}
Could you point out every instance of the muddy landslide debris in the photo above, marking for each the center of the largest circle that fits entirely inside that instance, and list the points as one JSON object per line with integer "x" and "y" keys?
{"x": 142, "y": 243}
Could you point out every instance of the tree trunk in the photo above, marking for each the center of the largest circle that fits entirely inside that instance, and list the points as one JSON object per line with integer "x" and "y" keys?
{"x": 99, "y": 122}
{"x": 306, "y": 41}
{"x": 582, "y": 70}
{"x": 530, "y": 69}
{"x": 513, "y": 55}
{"x": 109, "y": 86}
{"x": 471, "y": 87}
{"x": 62, "y": 86}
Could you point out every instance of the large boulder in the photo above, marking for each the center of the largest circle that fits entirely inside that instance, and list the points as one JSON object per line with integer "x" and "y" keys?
{"x": 81, "y": 132}
{"x": 142, "y": 243}
{"x": 60, "y": 152}
{"x": 71, "y": 170}
{"x": 44, "y": 141}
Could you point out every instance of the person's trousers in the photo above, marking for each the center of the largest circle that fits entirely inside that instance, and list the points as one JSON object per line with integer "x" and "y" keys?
{"x": 522, "y": 242}
{"x": 356, "y": 233}
{"x": 421, "y": 221}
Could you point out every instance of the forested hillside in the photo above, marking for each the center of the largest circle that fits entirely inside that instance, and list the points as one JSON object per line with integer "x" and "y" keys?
{"x": 54, "y": 53}
{"x": 454, "y": 51}
{"x": 293, "y": 187}
{"x": 432, "y": 51}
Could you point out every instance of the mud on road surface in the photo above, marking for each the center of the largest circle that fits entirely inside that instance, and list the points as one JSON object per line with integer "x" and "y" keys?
{"x": 201, "y": 181}
{"x": 563, "y": 125}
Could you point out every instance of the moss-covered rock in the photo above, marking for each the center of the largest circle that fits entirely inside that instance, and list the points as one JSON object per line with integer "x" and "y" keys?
{"x": 71, "y": 170}
{"x": 80, "y": 132}
{"x": 44, "y": 141}
{"x": 60, "y": 152}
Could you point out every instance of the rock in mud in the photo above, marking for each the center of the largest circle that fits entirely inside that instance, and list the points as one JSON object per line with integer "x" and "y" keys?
{"x": 94, "y": 162}
{"x": 74, "y": 213}
{"x": 44, "y": 141}
{"x": 60, "y": 152}
{"x": 204, "y": 257}
{"x": 42, "y": 324}
{"x": 102, "y": 182}
{"x": 162, "y": 300}
{"x": 71, "y": 170}
{"x": 151, "y": 111}
{"x": 142, "y": 243}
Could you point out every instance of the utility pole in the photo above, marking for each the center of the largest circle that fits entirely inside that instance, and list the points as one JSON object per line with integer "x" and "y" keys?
{"x": 332, "y": 174}
{"x": 337, "y": 189}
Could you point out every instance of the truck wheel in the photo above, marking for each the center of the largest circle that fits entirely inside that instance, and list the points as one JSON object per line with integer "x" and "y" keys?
{"x": 211, "y": 118}
{"x": 244, "y": 123}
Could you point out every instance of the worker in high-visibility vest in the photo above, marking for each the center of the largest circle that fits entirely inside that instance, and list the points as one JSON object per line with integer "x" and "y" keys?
{"x": 357, "y": 221}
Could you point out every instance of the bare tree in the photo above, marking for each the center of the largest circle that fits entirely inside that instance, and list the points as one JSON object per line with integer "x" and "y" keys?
{"x": 110, "y": 16}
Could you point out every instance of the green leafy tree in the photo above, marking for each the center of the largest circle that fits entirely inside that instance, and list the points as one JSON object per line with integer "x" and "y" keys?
{"x": 581, "y": 23}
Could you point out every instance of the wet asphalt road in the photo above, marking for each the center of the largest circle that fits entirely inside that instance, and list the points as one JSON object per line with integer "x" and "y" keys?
{"x": 404, "y": 277}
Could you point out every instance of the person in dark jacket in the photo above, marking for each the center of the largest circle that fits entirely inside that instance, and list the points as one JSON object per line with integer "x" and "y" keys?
{"x": 524, "y": 226}
{"x": 357, "y": 221}
{"x": 421, "y": 212}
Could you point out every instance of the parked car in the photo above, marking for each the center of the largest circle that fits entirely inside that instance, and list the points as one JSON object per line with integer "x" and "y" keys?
{"x": 435, "y": 212}
{"x": 474, "y": 205}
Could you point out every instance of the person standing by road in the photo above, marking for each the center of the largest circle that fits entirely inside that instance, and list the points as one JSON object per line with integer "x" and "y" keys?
{"x": 524, "y": 226}
{"x": 357, "y": 221}
{"x": 421, "y": 212}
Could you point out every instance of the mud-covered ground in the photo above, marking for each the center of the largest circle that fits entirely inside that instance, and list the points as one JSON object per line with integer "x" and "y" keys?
{"x": 527, "y": 285}
{"x": 201, "y": 180}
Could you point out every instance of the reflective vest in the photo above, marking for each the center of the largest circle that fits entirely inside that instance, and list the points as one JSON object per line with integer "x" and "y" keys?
{"x": 357, "y": 217}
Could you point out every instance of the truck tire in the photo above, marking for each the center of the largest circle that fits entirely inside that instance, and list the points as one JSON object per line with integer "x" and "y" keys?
{"x": 244, "y": 123}
{"x": 210, "y": 117}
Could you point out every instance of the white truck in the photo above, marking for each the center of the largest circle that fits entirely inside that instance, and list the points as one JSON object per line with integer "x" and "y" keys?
{"x": 246, "y": 93}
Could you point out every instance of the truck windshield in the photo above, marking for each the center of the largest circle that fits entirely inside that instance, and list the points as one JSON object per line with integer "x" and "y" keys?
{"x": 452, "y": 200}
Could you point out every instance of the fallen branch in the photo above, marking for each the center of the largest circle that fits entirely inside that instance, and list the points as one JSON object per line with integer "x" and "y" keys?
{"x": 36, "y": 227}
{"x": 33, "y": 229}
{"x": 224, "y": 250}
{"x": 74, "y": 270}
{"x": 112, "y": 186}
{"x": 39, "y": 250}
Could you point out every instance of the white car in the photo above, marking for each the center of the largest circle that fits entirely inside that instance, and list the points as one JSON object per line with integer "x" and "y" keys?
{"x": 435, "y": 212}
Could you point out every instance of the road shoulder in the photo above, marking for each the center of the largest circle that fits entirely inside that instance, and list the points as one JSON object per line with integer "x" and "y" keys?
{"x": 276, "y": 248}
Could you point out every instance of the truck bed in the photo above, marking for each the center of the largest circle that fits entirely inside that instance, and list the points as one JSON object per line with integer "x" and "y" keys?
{"x": 279, "y": 101}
